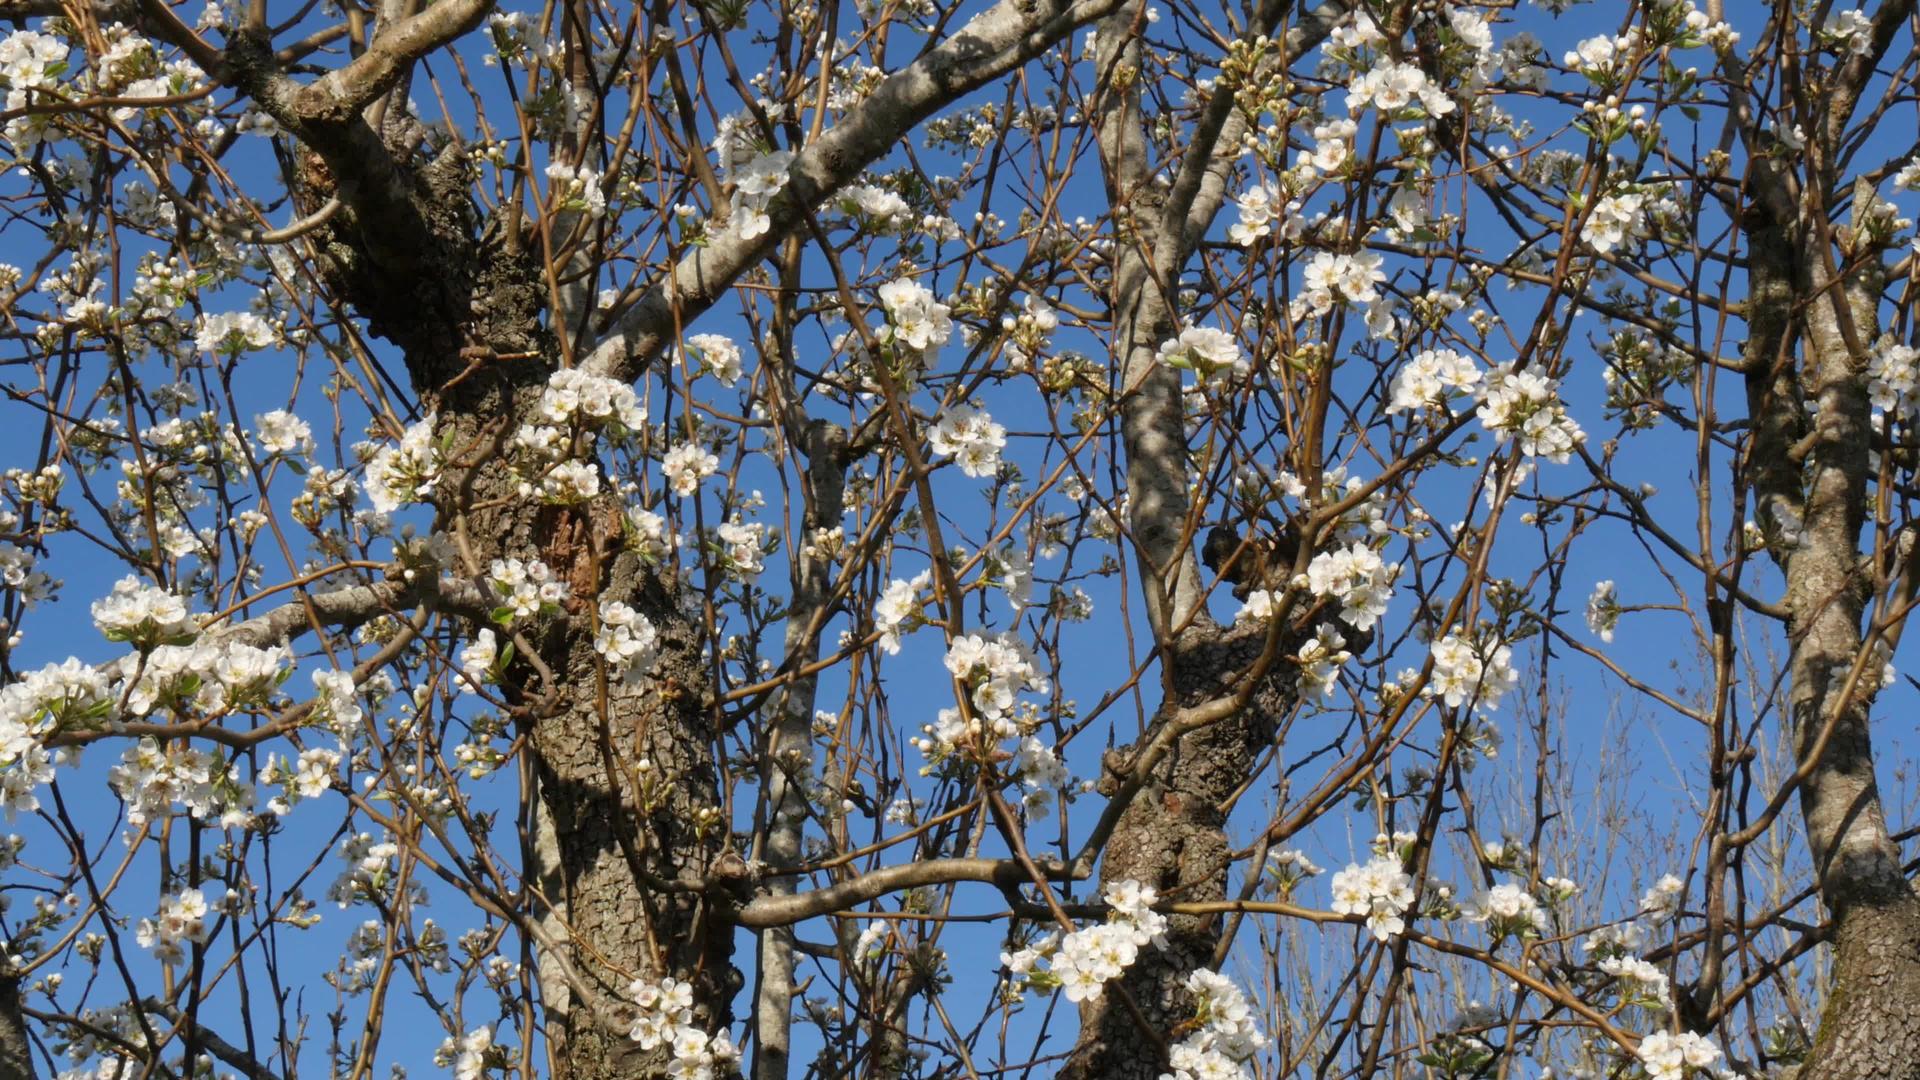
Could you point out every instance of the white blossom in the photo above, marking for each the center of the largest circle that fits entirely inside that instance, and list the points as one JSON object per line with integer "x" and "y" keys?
{"x": 576, "y": 188}
{"x": 1526, "y": 407}
{"x": 1603, "y": 610}
{"x": 144, "y": 615}
{"x": 1394, "y": 88}
{"x": 182, "y": 920}
{"x": 1331, "y": 278}
{"x": 1212, "y": 354}
{"x": 1465, "y": 671}
{"x": 717, "y": 355}
{"x": 1509, "y": 910}
{"x": 407, "y": 472}
{"x": 1431, "y": 379}
{"x": 914, "y": 317}
{"x": 627, "y": 640}
{"x": 232, "y": 333}
{"x": 524, "y": 589}
{"x": 281, "y": 432}
{"x": 1614, "y": 219}
{"x": 1357, "y": 577}
{"x": 1670, "y": 1056}
{"x": 1893, "y": 378}
{"x": 971, "y": 438}
{"x": 1381, "y": 890}
{"x": 686, "y": 465}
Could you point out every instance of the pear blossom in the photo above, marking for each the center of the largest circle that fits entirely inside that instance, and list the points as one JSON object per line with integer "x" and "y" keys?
{"x": 971, "y": 438}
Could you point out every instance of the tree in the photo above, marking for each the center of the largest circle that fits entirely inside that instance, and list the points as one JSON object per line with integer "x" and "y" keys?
{"x": 638, "y": 528}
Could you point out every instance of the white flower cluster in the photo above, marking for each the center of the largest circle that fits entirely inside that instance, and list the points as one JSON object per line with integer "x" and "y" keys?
{"x": 1510, "y": 911}
{"x": 69, "y": 694}
{"x": 1359, "y": 32}
{"x": 1612, "y": 942}
{"x": 1527, "y": 407}
{"x": 971, "y": 438}
{"x": 405, "y": 473}
{"x": 576, "y": 188}
{"x": 741, "y": 547}
{"x": 151, "y": 780}
{"x": 755, "y": 187}
{"x": 1041, "y": 776}
{"x": 369, "y": 868}
{"x": 281, "y": 432}
{"x": 524, "y": 588}
{"x": 1225, "y": 1038}
{"x": 1851, "y": 30}
{"x": 1670, "y": 1056}
{"x": 648, "y": 534}
{"x": 686, "y": 465}
{"x": 1332, "y": 145}
{"x": 715, "y": 355}
{"x": 1465, "y": 671}
{"x": 899, "y": 609}
{"x": 568, "y": 483}
{"x": 468, "y": 1055}
{"x": 181, "y": 920}
{"x": 1287, "y": 868}
{"x": 143, "y": 616}
{"x": 1603, "y": 610}
{"x": 1028, "y": 332}
{"x": 1614, "y": 219}
{"x": 1431, "y": 379}
{"x": 1382, "y": 890}
{"x": 30, "y": 59}
{"x": 1641, "y": 980}
{"x": 1082, "y": 962}
{"x": 1262, "y": 207}
{"x": 206, "y": 677}
{"x": 914, "y": 318}
{"x": 993, "y": 670}
{"x": 877, "y": 203}
{"x": 1331, "y": 278}
{"x": 516, "y": 36}
{"x": 1212, "y": 354}
{"x": 872, "y": 942}
{"x": 1662, "y": 902}
{"x": 1597, "y": 57}
{"x": 232, "y": 333}
{"x": 1893, "y": 378}
{"x": 592, "y": 401}
{"x": 18, "y": 574}
{"x": 1321, "y": 658}
{"x": 335, "y": 702}
{"x": 1357, "y": 577}
{"x": 309, "y": 777}
{"x": 663, "y": 1017}
{"x": 1260, "y": 606}
{"x": 1395, "y": 88}
{"x": 628, "y": 641}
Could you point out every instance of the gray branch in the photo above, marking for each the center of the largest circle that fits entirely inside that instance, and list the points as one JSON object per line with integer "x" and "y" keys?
{"x": 995, "y": 42}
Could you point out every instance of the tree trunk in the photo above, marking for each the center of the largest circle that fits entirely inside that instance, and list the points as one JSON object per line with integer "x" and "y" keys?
{"x": 16, "y": 1049}
{"x": 617, "y": 850}
{"x": 1870, "y": 1024}
{"x": 1172, "y": 836}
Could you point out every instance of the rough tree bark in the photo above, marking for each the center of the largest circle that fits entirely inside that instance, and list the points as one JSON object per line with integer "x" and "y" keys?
{"x": 1171, "y": 834}
{"x": 618, "y": 857}
{"x": 1870, "y": 1024}
{"x": 1815, "y": 313}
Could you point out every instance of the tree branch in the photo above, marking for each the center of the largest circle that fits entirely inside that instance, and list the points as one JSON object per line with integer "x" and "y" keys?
{"x": 995, "y": 42}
